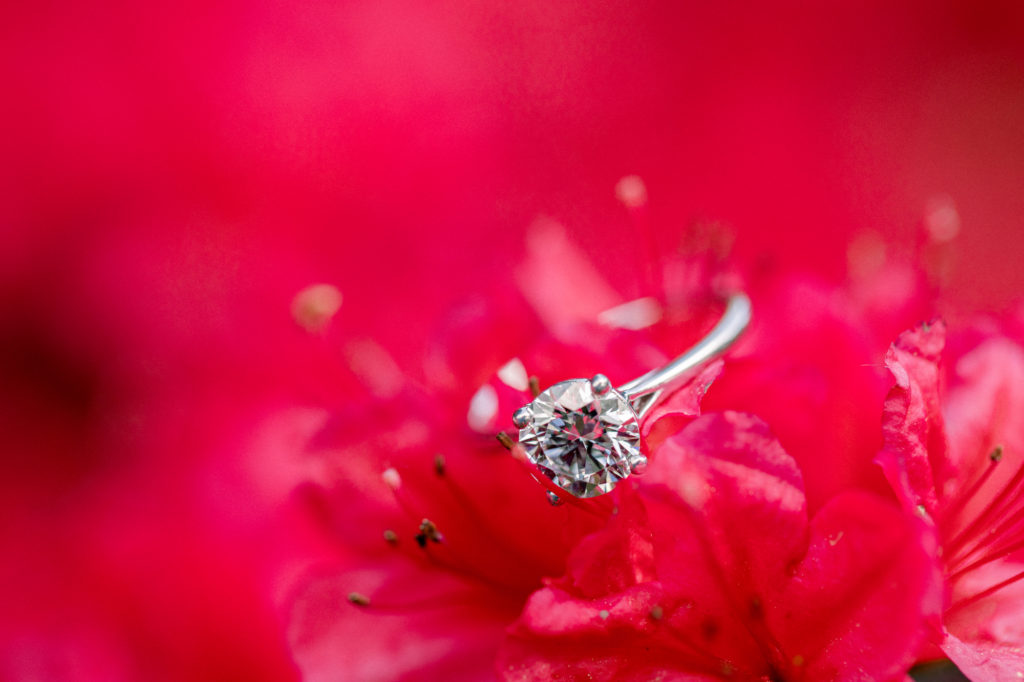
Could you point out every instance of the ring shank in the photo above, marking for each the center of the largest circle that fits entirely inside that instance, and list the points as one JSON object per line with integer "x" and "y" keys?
{"x": 734, "y": 320}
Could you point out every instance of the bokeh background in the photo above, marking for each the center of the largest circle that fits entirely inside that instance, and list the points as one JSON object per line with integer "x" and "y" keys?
{"x": 173, "y": 176}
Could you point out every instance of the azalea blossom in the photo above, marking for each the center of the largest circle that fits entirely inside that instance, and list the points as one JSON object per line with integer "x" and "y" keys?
{"x": 440, "y": 552}
{"x": 955, "y": 455}
{"x": 445, "y": 538}
{"x": 443, "y": 533}
{"x": 811, "y": 367}
{"x": 712, "y": 570}
{"x": 226, "y": 226}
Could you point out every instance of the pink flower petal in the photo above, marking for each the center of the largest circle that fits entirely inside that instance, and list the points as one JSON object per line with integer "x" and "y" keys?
{"x": 809, "y": 366}
{"x": 411, "y": 628}
{"x": 711, "y": 571}
{"x": 981, "y": 661}
{"x": 912, "y": 422}
{"x": 864, "y": 589}
{"x": 685, "y": 400}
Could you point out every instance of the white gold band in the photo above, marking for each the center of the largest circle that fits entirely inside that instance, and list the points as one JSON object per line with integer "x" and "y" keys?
{"x": 644, "y": 391}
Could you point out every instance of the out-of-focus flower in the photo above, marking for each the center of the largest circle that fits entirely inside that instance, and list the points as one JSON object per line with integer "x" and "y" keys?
{"x": 144, "y": 487}
{"x": 713, "y": 571}
{"x": 954, "y": 453}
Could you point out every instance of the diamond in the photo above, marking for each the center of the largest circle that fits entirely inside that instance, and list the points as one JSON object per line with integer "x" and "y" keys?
{"x": 584, "y": 442}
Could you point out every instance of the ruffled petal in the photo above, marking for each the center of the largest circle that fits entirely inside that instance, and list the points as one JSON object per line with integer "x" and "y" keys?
{"x": 915, "y": 441}
{"x": 685, "y": 400}
{"x": 741, "y": 495}
{"x": 560, "y": 637}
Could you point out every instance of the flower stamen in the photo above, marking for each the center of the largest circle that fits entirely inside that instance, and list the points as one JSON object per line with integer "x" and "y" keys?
{"x": 974, "y": 598}
{"x": 442, "y": 601}
{"x": 428, "y": 531}
{"x": 428, "y": 534}
{"x": 534, "y": 385}
{"x": 992, "y": 556}
{"x": 1003, "y": 532}
{"x": 961, "y": 501}
{"x": 480, "y": 518}
{"x": 358, "y": 599}
{"x": 1002, "y": 502}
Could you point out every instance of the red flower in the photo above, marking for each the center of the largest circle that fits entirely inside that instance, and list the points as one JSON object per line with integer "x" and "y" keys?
{"x": 442, "y": 535}
{"x": 810, "y": 367}
{"x": 956, "y": 456}
{"x": 143, "y": 521}
{"x": 712, "y": 570}
{"x": 179, "y": 175}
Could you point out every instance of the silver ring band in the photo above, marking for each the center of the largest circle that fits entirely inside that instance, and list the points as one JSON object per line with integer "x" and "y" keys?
{"x": 734, "y": 320}
{"x": 585, "y": 436}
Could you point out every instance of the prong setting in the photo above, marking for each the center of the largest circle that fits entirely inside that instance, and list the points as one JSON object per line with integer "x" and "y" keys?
{"x": 600, "y": 384}
{"x": 582, "y": 441}
{"x": 522, "y": 417}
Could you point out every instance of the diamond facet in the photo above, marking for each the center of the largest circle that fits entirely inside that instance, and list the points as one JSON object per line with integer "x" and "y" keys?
{"x": 584, "y": 442}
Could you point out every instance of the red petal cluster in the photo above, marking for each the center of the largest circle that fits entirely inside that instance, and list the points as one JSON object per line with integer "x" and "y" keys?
{"x": 955, "y": 455}
{"x": 175, "y": 178}
{"x": 442, "y": 534}
{"x": 710, "y": 566}
{"x": 712, "y": 570}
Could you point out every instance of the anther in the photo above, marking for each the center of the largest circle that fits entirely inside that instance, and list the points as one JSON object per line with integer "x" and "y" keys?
{"x": 390, "y": 537}
{"x": 534, "y": 386}
{"x": 631, "y": 191}
{"x": 657, "y": 613}
{"x": 358, "y": 599}
{"x": 505, "y": 440}
{"x": 439, "y": 464}
{"x": 314, "y": 306}
{"x": 428, "y": 531}
{"x": 391, "y": 478}
{"x": 997, "y": 453}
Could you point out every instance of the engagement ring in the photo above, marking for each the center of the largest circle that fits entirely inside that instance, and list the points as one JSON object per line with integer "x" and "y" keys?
{"x": 584, "y": 435}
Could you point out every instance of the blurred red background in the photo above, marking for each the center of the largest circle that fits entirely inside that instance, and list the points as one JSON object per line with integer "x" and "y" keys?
{"x": 173, "y": 175}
